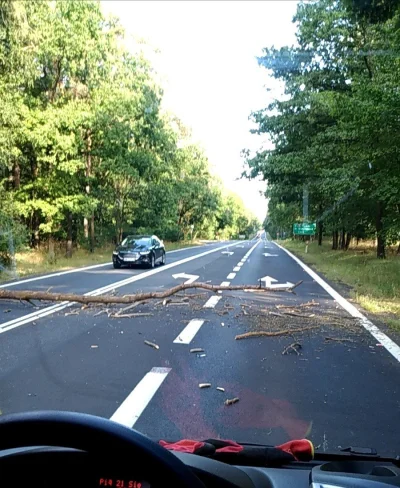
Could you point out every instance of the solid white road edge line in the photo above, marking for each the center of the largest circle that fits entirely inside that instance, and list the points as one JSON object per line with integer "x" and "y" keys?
{"x": 76, "y": 270}
{"x": 231, "y": 276}
{"x": 113, "y": 286}
{"x": 380, "y": 336}
{"x": 188, "y": 333}
{"x": 133, "y": 406}
{"x": 212, "y": 301}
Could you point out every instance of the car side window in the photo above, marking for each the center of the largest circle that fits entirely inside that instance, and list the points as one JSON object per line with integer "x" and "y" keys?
{"x": 154, "y": 242}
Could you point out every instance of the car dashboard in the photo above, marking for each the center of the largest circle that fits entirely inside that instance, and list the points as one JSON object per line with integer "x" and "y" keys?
{"x": 49, "y": 467}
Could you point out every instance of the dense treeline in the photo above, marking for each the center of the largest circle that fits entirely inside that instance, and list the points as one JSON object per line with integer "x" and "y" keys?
{"x": 86, "y": 152}
{"x": 336, "y": 130}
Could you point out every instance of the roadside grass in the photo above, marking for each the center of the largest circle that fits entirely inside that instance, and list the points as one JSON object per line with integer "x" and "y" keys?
{"x": 32, "y": 262}
{"x": 375, "y": 283}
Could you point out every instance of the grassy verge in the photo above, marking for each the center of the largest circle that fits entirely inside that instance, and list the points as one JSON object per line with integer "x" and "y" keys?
{"x": 32, "y": 262}
{"x": 375, "y": 283}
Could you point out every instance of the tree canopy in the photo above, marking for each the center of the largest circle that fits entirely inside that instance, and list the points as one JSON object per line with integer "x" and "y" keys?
{"x": 86, "y": 150}
{"x": 335, "y": 130}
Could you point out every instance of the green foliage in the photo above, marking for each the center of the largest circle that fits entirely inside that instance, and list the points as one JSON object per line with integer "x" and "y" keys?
{"x": 335, "y": 131}
{"x": 86, "y": 152}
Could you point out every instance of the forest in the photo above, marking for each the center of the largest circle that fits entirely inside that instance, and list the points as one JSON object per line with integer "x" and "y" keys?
{"x": 335, "y": 129}
{"x": 87, "y": 152}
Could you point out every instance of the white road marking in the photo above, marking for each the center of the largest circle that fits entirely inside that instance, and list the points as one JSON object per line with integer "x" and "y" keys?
{"x": 113, "y": 286}
{"x": 191, "y": 278}
{"x": 186, "y": 336}
{"x": 236, "y": 268}
{"x": 212, "y": 301}
{"x": 76, "y": 270}
{"x": 269, "y": 280}
{"x": 231, "y": 276}
{"x": 225, "y": 283}
{"x": 381, "y": 337}
{"x": 240, "y": 264}
{"x": 133, "y": 406}
{"x": 267, "y": 255}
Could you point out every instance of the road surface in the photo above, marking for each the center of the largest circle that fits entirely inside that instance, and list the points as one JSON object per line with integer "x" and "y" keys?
{"x": 338, "y": 385}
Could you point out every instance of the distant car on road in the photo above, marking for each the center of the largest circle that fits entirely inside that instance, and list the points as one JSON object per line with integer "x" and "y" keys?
{"x": 144, "y": 250}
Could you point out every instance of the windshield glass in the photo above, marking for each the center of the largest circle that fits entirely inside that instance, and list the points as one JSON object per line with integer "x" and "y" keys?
{"x": 136, "y": 243}
{"x": 258, "y": 142}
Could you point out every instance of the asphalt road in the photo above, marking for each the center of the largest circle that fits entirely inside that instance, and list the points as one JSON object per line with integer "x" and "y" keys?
{"x": 338, "y": 386}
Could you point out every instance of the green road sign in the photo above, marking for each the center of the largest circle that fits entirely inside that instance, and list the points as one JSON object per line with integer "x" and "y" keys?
{"x": 304, "y": 229}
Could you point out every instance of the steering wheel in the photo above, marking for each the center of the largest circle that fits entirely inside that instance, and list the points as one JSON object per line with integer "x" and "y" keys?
{"x": 96, "y": 435}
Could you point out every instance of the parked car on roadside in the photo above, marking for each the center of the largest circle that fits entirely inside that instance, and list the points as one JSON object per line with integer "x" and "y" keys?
{"x": 146, "y": 250}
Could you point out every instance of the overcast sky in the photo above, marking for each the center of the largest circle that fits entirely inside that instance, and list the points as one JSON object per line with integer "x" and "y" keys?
{"x": 207, "y": 63}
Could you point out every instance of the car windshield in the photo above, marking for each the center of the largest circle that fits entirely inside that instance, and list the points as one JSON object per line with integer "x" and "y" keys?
{"x": 136, "y": 243}
{"x": 258, "y": 143}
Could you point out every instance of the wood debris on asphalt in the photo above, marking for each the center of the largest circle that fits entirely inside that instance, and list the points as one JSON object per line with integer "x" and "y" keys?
{"x": 130, "y": 315}
{"x": 338, "y": 339}
{"x": 27, "y": 295}
{"x": 152, "y": 344}
{"x": 262, "y": 333}
{"x": 231, "y": 401}
{"x": 73, "y": 312}
{"x": 197, "y": 349}
{"x": 219, "y": 388}
{"x": 295, "y": 346}
{"x": 94, "y": 346}
{"x": 204, "y": 385}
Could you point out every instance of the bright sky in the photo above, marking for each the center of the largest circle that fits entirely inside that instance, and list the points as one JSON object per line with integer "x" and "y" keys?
{"x": 207, "y": 63}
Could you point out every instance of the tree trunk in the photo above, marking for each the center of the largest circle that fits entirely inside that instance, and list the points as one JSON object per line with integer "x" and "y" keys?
{"x": 51, "y": 254}
{"x": 85, "y": 228}
{"x": 92, "y": 233}
{"x": 320, "y": 232}
{"x": 16, "y": 172}
{"x": 68, "y": 253}
{"x": 380, "y": 233}
{"x": 335, "y": 239}
{"x": 88, "y": 174}
{"x": 348, "y": 240}
{"x": 398, "y": 249}
{"x": 343, "y": 239}
{"x": 35, "y": 238}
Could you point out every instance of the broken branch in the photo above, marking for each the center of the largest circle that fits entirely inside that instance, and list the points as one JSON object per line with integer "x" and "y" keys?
{"x": 263, "y": 333}
{"x": 28, "y": 295}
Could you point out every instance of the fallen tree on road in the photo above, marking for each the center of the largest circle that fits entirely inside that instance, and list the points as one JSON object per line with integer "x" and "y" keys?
{"x": 29, "y": 295}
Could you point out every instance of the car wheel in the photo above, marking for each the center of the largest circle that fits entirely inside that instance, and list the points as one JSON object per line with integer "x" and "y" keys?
{"x": 152, "y": 261}
{"x": 163, "y": 258}
{"x": 116, "y": 264}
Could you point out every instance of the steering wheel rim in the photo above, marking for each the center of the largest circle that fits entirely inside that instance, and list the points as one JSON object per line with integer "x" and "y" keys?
{"x": 96, "y": 435}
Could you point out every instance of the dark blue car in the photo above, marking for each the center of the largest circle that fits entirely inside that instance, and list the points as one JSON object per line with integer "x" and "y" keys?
{"x": 143, "y": 250}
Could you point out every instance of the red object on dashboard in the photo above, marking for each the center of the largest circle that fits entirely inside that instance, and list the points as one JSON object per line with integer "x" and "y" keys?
{"x": 233, "y": 453}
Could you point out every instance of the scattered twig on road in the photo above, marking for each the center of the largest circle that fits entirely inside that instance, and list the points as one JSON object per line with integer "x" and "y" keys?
{"x": 273, "y": 313}
{"x": 106, "y": 310}
{"x": 197, "y": 349}
{"x": 130, "y": 315}
{"x": 136, "y": 304}
{"x": 292, "y": 347}
{"x": 204, "y": 385}
{"x": 231, "y": 401}
{"x": 262, "y": 333}
{"x": 151, "y": 344}
{"x": 294, "y": 314}
{"x": 219, "y": 388}
{"x": 28, "y": 295}
{"x": 73, "y": 312}
{"x": 338, "y": 339}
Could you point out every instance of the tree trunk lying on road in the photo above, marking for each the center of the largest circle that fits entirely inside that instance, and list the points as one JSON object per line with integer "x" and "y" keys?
{"x": 29, "y": 295}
